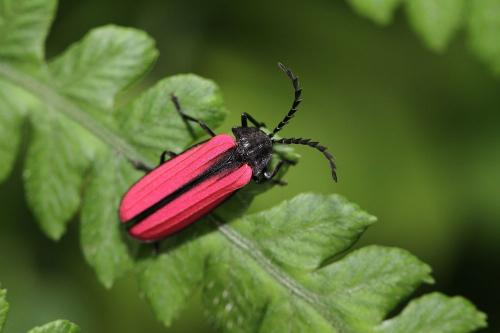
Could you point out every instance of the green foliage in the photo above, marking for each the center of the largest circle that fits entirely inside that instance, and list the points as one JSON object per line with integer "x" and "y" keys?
{"x": 251, "y": 283}
{"x": 4, "y": 308}
{"x": 437, "y": 21}
{"x": 435, "y": 313}
{"x": 170, "y": 279}
{"x": 152, "y": 123}
{"x": 101, "y": 240}
{"x": 24, "y": 26}
{"x": 306, "y": 231}
{"x": 57, "y": 326}
{"x": 14, "y": 100}
{"x": 106, "y": 61}
{"x": 381, "y": 11}
{"x": 483, "y": 27}
{"x": 52, "y": 173}
{"x": 278, "y": 270}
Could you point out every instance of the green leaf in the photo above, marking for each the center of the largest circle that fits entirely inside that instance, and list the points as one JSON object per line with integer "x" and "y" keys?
{"x": 55, "y": 164}
{"x": 58, "y": 326}
{"x": 369, "y": 282}
{"x": 380, "y": 11}
{"x": 243, "y": 295}
{"x": 436, "y": 313}
{"x": 285, "y": 315}
{"x": 100, "y": 234}
{"x": 236, "y": 290}
{"x": 305, "y": 223}
{"x": 483, "y": 28}
{"x": 169, "y": 280}
{"x": 13, "y": 107}
{"x": 60, "y": 152}
{"x": 435, "y": 21}
{"x": 247, "y": 288}
{"x": 104, "y": 62}
{"x": 23, "y": 27}
{"x": 152, "y": 123}
{"x": 4, "y": 308}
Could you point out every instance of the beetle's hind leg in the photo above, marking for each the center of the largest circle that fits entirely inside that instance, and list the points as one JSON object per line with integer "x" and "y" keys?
{"x": 188, "y": 118}
{"x": 244, "y": 121}
{"x": 156, "y": 248}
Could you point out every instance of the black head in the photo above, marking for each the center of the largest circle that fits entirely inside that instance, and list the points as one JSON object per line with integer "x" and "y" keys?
{"x": 257, "y": 135}
{"x": 254, "y": 147}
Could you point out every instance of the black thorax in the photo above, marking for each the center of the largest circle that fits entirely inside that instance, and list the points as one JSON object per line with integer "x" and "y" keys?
{"x": 253, "y": 147}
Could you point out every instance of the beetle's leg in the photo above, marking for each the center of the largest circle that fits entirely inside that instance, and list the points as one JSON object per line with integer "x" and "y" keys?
{"x": 188, "y": 118}
{"x": 139, "y": 165}
{"x": 163, "y": 156}
{"x": 245, "y": 116}
{"x": 268, "y": 176}
{"x": 262, "y": 180}
{"x": 156, "y": 248}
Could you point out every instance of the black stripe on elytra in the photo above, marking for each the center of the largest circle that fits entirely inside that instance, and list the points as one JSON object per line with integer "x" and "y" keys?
{"x": 226, "y": 163}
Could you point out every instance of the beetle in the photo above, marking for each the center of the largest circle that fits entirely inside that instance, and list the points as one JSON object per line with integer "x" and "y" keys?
{"x": 190, "y": 185}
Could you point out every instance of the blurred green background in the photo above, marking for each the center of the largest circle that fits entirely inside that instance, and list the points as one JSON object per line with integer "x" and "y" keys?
{"x": 416, "y": 136}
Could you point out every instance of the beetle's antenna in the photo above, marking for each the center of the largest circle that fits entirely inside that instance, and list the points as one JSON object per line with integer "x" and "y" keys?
{"x": 296, "y": 100}
{"x": 314, "y": 144}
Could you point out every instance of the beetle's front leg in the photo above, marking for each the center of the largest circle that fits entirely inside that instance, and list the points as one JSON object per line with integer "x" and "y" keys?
{"x": 268, "y": 176}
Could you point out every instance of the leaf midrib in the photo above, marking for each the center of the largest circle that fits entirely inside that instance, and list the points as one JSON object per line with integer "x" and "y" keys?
{"x": 279, "y": 275}
{"x": 60, "y": 103}
{"x": 71, "y": 110}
